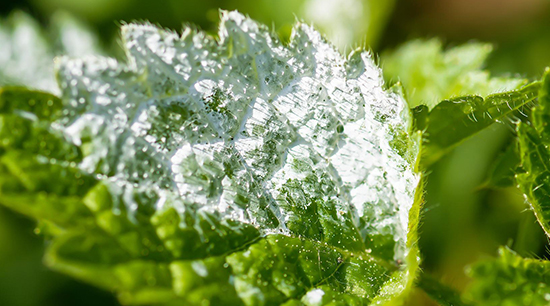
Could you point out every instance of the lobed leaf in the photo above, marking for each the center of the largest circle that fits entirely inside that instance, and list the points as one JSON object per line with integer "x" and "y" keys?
{"x": 238, "y": 171}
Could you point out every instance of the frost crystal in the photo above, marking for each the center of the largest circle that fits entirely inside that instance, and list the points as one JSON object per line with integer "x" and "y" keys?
{"x": 291, "y": 139}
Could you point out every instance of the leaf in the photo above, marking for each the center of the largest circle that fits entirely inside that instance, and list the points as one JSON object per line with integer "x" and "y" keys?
{"x": 522, "y": 280}
{"x": 509, "y": 280}
{"x": 535, "y": 157}
{"x": 430, "y": 74}
{"x": 235, "y": 171}
{"x": 434, "y": 81}
{"x": 28, "y": 52}
{"x": 453, "y": 121}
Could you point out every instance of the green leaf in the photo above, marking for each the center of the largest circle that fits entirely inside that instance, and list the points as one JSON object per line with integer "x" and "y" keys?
{"x": 453, "y": 121}
{"x": 238, "y": 171}
{"x": 28, "y": 51}
{"x": 509, "y": 280}
{"x": 430, "y": 74}
{"x": 535, "y": 157}
{"x": 520, "y": 280}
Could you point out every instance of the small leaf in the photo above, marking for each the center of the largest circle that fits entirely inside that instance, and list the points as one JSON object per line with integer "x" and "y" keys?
{"x": 453, "y": 121}
{"x": 430, "y": 74}
{"x": 509, "y": 280}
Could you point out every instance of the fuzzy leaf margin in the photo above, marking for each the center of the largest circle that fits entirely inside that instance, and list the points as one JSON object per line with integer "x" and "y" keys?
{"x": 452, "y": 121}
{"x": 535, "y": 157}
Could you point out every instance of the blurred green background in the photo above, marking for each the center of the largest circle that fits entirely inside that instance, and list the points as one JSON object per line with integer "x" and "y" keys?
{"x": 462, "y": 221}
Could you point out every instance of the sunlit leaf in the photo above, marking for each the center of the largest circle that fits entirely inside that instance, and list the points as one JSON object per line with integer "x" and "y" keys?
{"x": 226, "y": 171}
{"x": 430, "y": 74}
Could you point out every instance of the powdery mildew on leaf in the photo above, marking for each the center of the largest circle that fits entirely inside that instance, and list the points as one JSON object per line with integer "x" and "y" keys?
{"x": 293, "y": 140}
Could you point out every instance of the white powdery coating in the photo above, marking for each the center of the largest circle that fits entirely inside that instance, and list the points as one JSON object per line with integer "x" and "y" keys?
{"x": 226, "y": 125}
